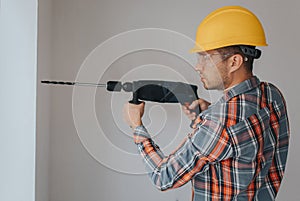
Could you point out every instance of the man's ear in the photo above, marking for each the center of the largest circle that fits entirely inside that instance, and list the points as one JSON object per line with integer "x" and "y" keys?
{"x": 235, "y": 62}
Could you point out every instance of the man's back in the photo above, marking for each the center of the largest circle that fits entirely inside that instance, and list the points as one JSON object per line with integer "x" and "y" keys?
{"x": 248, "y": 148}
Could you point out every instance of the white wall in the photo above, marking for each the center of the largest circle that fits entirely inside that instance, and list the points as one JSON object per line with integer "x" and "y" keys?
{"x": 78, "y": 171}
{"x": 18, "y": 99}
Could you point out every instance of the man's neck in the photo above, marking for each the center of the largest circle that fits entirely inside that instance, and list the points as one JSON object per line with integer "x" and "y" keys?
{"x": 238, "y": 80}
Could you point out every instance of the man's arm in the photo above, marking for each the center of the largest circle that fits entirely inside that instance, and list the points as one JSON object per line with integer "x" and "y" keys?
{"x": 207, "y": 145}
{"x": 169, "y": 171}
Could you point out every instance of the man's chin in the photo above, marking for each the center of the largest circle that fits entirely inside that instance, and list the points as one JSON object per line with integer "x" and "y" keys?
{"x": 206, "y": 87}
{"x": 205, "y": 84}
{"x": 212, "y": 88}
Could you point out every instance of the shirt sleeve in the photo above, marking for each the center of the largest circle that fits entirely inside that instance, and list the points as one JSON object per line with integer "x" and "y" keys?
{"x": 207, "y": 145}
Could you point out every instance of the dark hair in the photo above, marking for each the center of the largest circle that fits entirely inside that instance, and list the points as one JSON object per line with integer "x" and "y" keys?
{"x": 235, "y": 49}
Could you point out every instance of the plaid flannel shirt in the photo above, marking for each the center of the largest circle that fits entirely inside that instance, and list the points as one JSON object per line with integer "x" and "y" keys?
{"x": 237, "y": 151}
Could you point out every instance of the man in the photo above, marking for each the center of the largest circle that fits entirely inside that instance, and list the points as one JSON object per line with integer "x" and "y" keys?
{"x": 239, "y": 145}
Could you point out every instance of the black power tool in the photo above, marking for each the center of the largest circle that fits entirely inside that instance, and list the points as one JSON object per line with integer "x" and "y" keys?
{"x": 148, "y": 90}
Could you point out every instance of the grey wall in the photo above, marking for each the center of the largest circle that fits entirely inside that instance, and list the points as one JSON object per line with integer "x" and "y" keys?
{"x": 87, "y": 163}
{"x": 43, "y": 99}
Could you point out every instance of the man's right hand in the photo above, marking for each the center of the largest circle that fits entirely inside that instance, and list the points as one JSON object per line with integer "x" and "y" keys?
{"x": 187, "y": 109}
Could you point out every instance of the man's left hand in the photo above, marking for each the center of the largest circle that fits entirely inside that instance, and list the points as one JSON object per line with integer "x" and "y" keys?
{"x": 133, "y": 114}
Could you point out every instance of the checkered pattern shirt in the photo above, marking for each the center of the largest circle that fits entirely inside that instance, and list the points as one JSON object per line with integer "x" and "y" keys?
{"x": 237, "y": 150}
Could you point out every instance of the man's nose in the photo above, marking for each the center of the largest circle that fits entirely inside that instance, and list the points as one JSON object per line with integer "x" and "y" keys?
{"x": 198, "y": 66}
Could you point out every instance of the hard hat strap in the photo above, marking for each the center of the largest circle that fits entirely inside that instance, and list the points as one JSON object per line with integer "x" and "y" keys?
{"x": 252, "y": 52}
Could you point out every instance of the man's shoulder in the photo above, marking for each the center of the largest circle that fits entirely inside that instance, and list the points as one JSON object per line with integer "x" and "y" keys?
{"x": 271, "y": 92}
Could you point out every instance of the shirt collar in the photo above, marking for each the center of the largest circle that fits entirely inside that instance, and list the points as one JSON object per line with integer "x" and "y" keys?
{"x": 241, "y": 88}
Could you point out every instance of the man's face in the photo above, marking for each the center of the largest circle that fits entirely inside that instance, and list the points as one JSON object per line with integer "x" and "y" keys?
{"x": 212, "y": 69}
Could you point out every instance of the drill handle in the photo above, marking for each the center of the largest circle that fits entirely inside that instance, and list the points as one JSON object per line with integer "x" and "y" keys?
{"x": 135, "y": 98}
{"x": 197, "y": 111}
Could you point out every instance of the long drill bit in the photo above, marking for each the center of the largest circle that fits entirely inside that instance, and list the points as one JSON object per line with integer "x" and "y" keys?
{"x": 74, "y": 83}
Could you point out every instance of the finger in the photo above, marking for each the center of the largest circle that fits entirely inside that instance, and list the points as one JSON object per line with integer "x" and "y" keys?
{"x": 192, "y": 116}
{"x": 141, "y": 105}
{"x": 185, "y": 110}
{"x": 203, "y": 104}
{"x": 193, "y": 105}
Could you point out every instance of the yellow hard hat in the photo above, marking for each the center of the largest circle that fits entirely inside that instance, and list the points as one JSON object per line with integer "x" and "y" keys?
{"x": 229, "y": 25}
